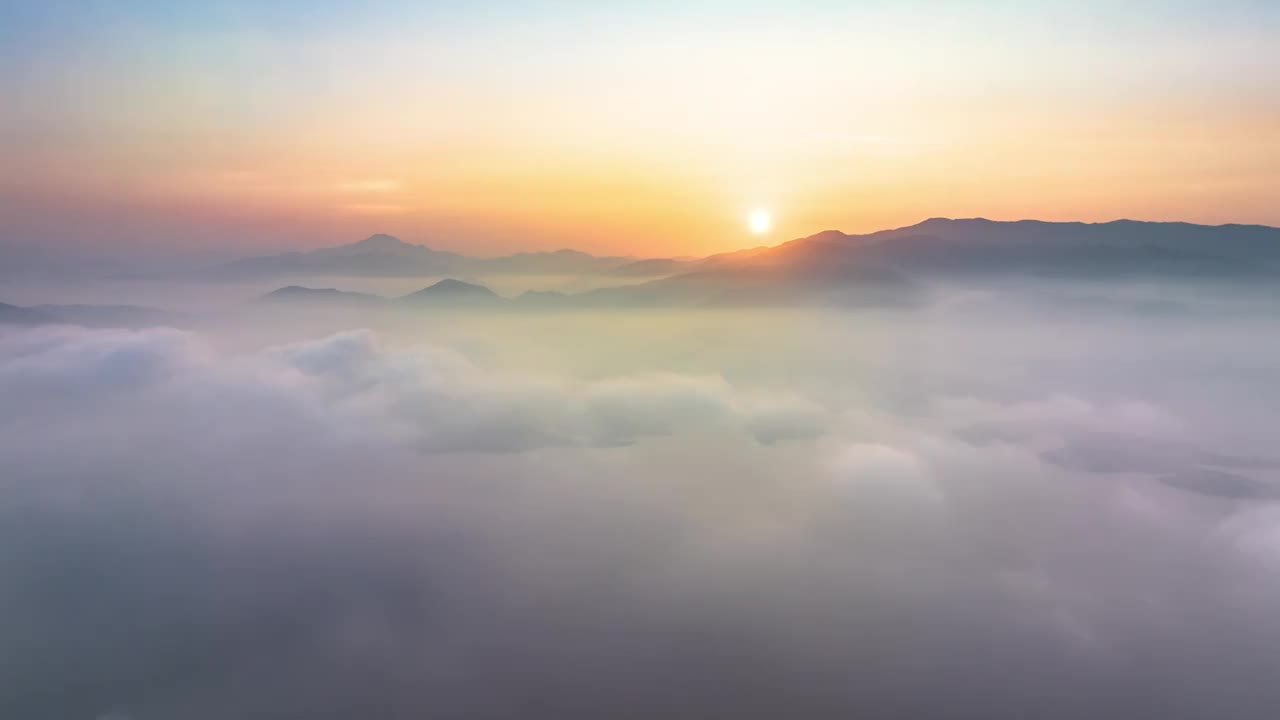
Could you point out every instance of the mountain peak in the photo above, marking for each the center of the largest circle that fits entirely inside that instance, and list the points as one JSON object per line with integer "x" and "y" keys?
{"x": 454, "y": 285}
{"x": 827, "y": 236}
{"x": 300, "y": 293}
{"x": 454, "y": 289}
{"x": 16, "y": 315}
{"x": 955, "y": 222}
{"x": 382, "y": 248}
{"x": 382, "y": 241}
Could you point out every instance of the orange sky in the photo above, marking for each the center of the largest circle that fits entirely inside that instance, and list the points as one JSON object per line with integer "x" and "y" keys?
{"x": 637, "y": 131}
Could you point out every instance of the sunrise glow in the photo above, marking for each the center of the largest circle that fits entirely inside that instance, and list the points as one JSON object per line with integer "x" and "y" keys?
{"x": 857, "y": 116}
{"x": 566, "y": 360}
{"x": 759, "y": 221}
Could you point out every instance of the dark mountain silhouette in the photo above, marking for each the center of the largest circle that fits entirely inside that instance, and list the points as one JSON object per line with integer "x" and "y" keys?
{"x": 448, "y": 292}
{"x": 656, "y": 267}
{"x": 16, "y": 315}
{"x": 665, "y": 267}
{"x": 1123, "y": 247}
{"x": 380, "y": 242}
{"x": 548, "y": 263}
{"x": 888, "y": 267}
{"x": 832, "y": 267}
{"x": 806, "y": 273}
{"x": 453, "y": 292}
{"x": 734, "y": 256}
{"x": 113, "y": 316}
{"x": 32, "y": 262}
{"x": 388, "y": 256}
{"x": 299, "y": 294}
{"x": 377, "y": 255}
{"x": 101, "y": 316}
{"x": 543, "y": 299}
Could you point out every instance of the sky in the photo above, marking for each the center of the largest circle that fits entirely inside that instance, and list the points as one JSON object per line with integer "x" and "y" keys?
{"x": 648, "y": 129}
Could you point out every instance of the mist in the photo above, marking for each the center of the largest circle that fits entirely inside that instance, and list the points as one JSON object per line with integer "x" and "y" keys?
{"x": 619, "y": 361}
{"x": 1027, "y": 498}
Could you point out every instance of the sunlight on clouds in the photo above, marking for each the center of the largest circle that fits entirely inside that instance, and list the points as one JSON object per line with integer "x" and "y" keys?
{"x": 857, "y": 118}
{"x": 374, "y": 208}
{"x": 370, "y": 186}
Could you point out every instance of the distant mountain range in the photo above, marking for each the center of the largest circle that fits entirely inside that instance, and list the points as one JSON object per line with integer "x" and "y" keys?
{"x": 104, "y": 316}
{"x": 15, "y": 315}
{"x": 833, "y": 268}
{"x": 297, "y": 293}
{"x": 387, "y": 256}
{"x": 1123, "y": 247}
{"x": 830, "y": 268}
{"x": 790, "y": 279}
{"x": 933, "y": 246}
{"x": 447, "y": 292}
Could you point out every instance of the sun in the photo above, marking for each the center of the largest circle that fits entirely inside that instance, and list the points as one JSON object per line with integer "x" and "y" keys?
{"x": 759, "y": 221}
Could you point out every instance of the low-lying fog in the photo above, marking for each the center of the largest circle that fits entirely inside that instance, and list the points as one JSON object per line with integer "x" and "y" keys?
{"x": 1017, "y": 500}
{"x": 217, "y": 297}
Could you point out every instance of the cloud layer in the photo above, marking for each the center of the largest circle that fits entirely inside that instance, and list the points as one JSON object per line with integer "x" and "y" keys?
{"x": 347, "y": 528}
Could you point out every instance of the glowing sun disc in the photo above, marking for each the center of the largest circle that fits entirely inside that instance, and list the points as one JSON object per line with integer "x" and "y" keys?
{"x": 759, "y": 221}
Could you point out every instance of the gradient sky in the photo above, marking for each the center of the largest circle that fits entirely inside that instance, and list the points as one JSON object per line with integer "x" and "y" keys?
{"x": 645, "y": 128}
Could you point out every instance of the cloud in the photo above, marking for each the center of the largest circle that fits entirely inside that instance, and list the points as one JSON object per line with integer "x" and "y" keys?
{"x": 430, "y": 398}
{"x": 1219, "y": 483}
{"x": 1125, "y": 437}
{"x": 373, "y": 208}
{"x": 353, "y": 527}
{"x": 371, "y": 185}
{"x": 886, "y": 473}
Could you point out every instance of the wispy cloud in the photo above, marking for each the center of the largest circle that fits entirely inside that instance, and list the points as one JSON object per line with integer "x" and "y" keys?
{"x": 373, "y": 185}
{"x": 374, "y": 208}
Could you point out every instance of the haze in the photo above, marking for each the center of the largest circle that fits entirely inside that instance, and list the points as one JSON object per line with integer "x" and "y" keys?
{"x": 658, "y": 360}
{"x": 646, "y": 129}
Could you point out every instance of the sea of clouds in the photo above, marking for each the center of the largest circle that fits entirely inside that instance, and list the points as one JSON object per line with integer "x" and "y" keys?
{"x": 967, "y": 511}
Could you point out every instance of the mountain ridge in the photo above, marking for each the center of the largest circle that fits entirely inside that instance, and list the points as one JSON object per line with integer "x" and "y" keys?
{"x": 383, "y": 255}
{"x": 452, "y": 290}
{"x": 886, "y": 267}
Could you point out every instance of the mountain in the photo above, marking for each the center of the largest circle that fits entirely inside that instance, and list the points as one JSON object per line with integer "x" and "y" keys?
{"x": 446, "y": 293}
{"x": 373, "y": 245}
{"x": 99, "y": 316}
{"x": 15, "y": 315}
{"x": 388, "y": 256}
{"x": 734, "y": 256}
{"x": 299, "y": 294}
{"x": 377, "y": 255}
{"x": 34, "y": 263}
{"x": 833, "y": 268}
{"x": 453, "y": 292}
{"x": 813, "y": 272}
{"x": 1119, "y": 248}
{"x": 543, "y": 299}
{"x": 655, "y": 267}
{"x": 545, "y": 263}
{"x": 664, "y": 267}
{"x": 892, "y": 267}
{"x": 112, "y": 316}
